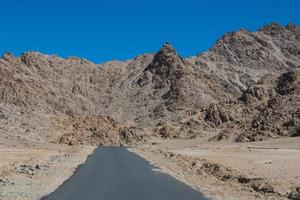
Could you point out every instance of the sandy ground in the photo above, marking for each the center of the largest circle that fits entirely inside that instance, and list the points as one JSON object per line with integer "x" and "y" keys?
{"x": 28, "y": 174}
{"x": 220, "y": 170}
{"x": 215, "y": 168}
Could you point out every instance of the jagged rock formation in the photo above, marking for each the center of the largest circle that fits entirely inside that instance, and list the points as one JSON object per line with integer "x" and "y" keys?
{"x": 97, "y": 130}
{"x": 280, "y": 115}
{"x": 152, "y": 89}
{"x": 268, "y": 109}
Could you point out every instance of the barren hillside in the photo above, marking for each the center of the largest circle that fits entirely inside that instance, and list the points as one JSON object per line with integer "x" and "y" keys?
{"x": 149, "y": 89}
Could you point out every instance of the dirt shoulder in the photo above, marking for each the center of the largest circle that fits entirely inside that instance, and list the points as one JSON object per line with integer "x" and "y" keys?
{"x": 260, "y": 170}
{"x": 30, "y": 173}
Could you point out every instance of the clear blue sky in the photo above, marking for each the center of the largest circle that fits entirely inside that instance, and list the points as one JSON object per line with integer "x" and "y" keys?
{"x": 102, "y": 30}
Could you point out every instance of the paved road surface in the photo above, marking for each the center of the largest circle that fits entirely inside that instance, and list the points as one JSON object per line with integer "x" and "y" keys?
{"x": 114, "y": 173}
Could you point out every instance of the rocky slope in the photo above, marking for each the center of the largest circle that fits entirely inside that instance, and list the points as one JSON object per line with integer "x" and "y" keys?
{"x": 149, "y": 89}
{"x": 241, "y": 58}
{"x": 268, "y": 109}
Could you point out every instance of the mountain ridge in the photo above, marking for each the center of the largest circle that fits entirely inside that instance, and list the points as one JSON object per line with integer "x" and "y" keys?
{"x": 150, "y": 88}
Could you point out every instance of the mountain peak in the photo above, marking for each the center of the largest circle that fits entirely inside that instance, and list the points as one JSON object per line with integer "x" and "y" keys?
{"x": 7, "y": 56}
{"x": 273, "y": 28}
{"x": 291, "y": 26}
{"x": 164, "y": 58}
{"x": 167, "y": 48}
{"x": 294, "y": 28}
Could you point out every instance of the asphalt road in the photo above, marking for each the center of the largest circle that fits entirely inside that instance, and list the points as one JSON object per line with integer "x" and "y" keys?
{"x": 114, "y": 173}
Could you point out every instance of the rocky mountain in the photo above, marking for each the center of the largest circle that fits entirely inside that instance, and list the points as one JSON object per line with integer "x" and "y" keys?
{"x": 148, "y": 90}
{"x": 239, "y": 59}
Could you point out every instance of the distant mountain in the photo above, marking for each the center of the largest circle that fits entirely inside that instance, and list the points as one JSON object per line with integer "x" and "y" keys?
{"x": 148, "y": 89}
